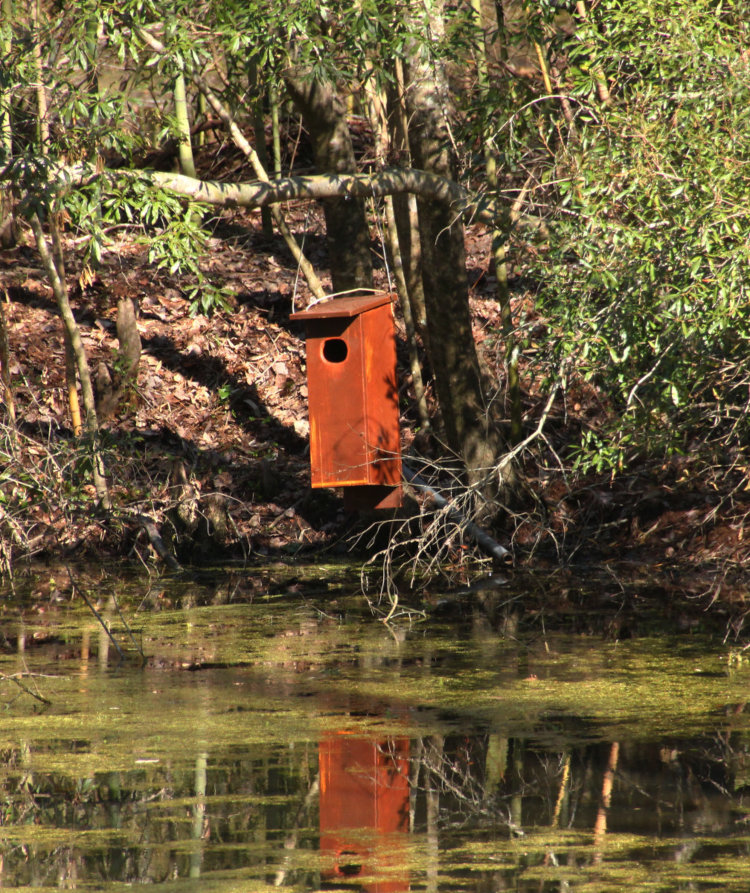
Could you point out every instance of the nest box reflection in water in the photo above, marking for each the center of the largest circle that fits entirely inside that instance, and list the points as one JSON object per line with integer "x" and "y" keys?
{"x": 364, "y": 808}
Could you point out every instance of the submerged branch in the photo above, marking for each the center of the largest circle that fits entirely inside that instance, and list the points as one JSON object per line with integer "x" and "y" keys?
{"x": 17, "y": 678}
{"x": 90, "y": 605}
{"x": 488, "y": 545}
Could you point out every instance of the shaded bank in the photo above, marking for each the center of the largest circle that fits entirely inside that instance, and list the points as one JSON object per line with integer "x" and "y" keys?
{"x": 612, "y": 604}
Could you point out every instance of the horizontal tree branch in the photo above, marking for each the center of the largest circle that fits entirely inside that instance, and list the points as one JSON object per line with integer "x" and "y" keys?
{"x": 258, "y": 194}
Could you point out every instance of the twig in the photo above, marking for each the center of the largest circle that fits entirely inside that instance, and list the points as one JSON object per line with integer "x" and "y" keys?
{"x": 511, "y": 454}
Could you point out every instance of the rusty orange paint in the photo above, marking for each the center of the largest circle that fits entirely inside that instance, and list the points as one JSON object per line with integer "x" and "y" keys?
{"x": 353, "y": 397}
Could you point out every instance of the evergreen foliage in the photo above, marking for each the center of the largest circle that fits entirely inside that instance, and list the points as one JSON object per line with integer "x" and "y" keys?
{"x": 644, "y": 281}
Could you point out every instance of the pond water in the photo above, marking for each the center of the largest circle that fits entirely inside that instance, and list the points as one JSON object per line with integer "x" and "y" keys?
{"x": 284, "y": 737}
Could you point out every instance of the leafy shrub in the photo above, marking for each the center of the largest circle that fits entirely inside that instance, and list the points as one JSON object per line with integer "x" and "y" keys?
{"x": 645, "y": 276}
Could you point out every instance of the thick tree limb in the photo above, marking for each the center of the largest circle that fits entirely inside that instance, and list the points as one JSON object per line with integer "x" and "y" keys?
{"x": 258, "y": 194}
{"x": 387, "y": 182}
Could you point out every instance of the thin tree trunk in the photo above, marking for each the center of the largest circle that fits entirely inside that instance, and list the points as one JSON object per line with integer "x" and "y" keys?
{"x": 71, "y": 385}
{"x": 602, "y": 87}
{"x": 8, "y": 233}
{"x": 71, "y": 378}
{"x": 7, "y": 390}
{"x": 55, "y": 263}
{"x": 60, "y": 291}
{"x": 244, "y": 146}
{"x": 347, "y": 233}
{"x": 42, "y": 120}
{"x": 406, "y": 222}
{"x": 273, "y": 99}
{"x": 202, "y": 114}
{"x": 379, "y": 125}
{"x": 93, "y": 32}
{"x": 499, "y": 259}
{"x": 406, "y": 309}
{"x": 259, "y": 129}
{"x": 550, "y": 88}
{"x": 405, "y": 210}
{"x": 184, "y": 145}
{"x": 470, "y": 432}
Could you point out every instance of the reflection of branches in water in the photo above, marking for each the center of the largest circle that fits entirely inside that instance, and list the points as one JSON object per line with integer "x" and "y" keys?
{"x": 435, "y": 770}
{"x": 536, "y": 787}
{"x": 452, "y": 775}
{"x": 291, "y": 841}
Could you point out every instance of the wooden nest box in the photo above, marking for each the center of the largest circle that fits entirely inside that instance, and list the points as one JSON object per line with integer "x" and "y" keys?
{"x": 353, "y": 399}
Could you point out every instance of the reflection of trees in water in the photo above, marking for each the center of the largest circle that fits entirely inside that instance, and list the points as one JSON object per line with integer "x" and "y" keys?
{"x": 255, "y": 808}
{"x": 661, "y": 789}
{"x": 469, "y": 789}
{"x": 236, "y": 811}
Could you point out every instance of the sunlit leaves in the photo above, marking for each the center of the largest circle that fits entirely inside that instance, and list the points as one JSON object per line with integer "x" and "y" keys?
{"x": 649, "y": 266}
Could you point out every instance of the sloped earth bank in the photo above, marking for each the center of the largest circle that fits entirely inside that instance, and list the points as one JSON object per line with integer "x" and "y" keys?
{"x": 212, "y": 446}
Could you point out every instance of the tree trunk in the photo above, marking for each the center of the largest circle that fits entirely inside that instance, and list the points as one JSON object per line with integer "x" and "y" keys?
{"x": 259, "y": 130}
{"x": 42, "y": 119}
{"x": 347, "y": 234}
{"x": 118, "y": 384}
{"x": 469, "y": 429}
{"x": 499, "y": 240}
{"x": 73, "y": 334}
{"x": 376, "y": 107}
{"x": 5, "y": 379}
{"x": 405, "y": 206}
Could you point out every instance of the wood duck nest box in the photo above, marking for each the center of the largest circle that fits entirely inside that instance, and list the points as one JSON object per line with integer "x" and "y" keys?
{"x": 353, "y": 399}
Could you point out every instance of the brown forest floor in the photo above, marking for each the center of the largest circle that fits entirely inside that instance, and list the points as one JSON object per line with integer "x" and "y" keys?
{"x": 223, "y": 398}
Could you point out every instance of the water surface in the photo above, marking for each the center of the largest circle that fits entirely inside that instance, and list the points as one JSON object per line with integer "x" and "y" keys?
{"x": 286, "y": 737}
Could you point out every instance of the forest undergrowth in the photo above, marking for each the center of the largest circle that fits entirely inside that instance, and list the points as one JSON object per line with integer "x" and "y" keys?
{"x": 207, "y": 458}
